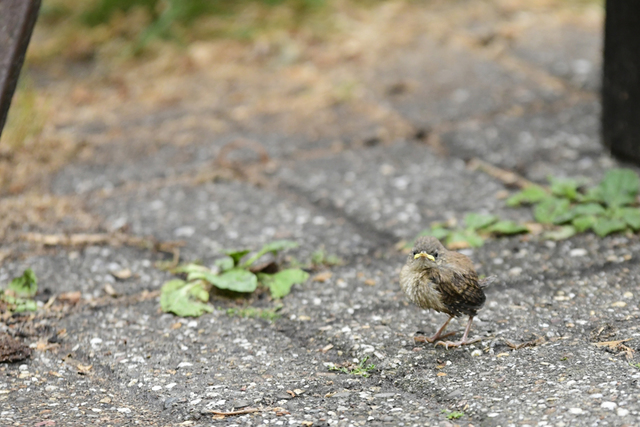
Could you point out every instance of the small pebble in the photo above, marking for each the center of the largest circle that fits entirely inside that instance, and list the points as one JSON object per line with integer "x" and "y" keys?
{"x": 623, "y": 412}
{"x": 608, "y": 405}
{"x": 476, "y": 353}
{"x": 515, "y": 271}
{"x": 577, "y": 252}
{"x": 575, "y": 411}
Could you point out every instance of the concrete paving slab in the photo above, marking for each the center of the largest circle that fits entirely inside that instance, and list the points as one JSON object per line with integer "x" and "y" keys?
{"x": 398, "y": 189}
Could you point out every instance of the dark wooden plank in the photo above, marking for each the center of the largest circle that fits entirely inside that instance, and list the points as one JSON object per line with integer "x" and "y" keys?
{"x": 17, "y": 19}
{"x": 621, "y": 80}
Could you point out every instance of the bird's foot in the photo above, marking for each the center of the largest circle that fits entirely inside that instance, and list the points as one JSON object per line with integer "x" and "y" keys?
{"x": 450, "y": 344}
{"x": 422, "y": 338}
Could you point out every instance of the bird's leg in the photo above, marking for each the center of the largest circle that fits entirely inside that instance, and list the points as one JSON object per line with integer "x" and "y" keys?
{"x": 464, "y": 339}
{"x": 438, "y": 334}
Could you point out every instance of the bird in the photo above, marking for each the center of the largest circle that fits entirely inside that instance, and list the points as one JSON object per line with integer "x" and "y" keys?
{"x": 445, "y": 281}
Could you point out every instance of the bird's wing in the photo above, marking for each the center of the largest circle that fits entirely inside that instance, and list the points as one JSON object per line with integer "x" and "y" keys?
{"x": 460, "y": 291}
{"x": 487, "y": 281}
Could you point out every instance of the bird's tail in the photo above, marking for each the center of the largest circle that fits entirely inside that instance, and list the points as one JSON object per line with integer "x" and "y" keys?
{"x": 487, "y": 281}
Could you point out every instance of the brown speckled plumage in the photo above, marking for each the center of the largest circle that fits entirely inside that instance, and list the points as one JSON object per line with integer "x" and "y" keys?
{"x": 442, "y": 280}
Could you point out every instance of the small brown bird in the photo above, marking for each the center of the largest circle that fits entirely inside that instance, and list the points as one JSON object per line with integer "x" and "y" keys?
{"x": 445, "y": 281}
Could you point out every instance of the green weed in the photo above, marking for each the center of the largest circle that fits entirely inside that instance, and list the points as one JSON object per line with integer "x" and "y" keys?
{"x": 564, "y": 208}
{"x": 236, "y": 271}
{"x": 453, "y": 415}
{"x": 360, "y": 369}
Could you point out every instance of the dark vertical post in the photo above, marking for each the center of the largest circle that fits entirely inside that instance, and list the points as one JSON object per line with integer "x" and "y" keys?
{"x": 621, "y": 80}
{"x": 17, "y": 18}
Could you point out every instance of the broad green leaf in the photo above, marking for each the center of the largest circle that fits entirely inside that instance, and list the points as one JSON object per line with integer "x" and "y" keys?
{"x": 586, "y": 209}
{"x": 606, "y": 226}
{"x": 620, "y": 187}
{"x": 25, "y": 285}
{"x": 507, "y": 227}
{"x": 278, "y": 245}
{"x": 465, "y": 236}
{"x": 236, "y": 255}
{"x": 561, "y": 233}
{"x": 437, "y": 232}
{"x": 549, "y": 209}
{"x": 583, "y": 223}
{"x": 476, "y": 221}
{"x": 273, "y": 247}
{"x": 22, "y": 305}
{"x": 189, "y": 268}
{"x": 224, "y": 263}
{"x": 632, "y": 217}
{"x": 531, "y": 194}
{"x": 594, "y": 194}
{"x": 206, "y": 275}
{"x": 184, "y": 299}
{"x": 280, "y": 283}
{"x": 564, "y": 187}
{"x": 237, "y": 280}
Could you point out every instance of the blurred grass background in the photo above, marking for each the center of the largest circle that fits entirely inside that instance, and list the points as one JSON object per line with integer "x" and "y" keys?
{"x": 84, "y": 45}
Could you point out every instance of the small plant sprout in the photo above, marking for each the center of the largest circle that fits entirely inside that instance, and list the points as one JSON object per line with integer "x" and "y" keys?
{"x": 18, "y": 296}
{"x": 453, "y": 415}
{"x": 360, "y": 369}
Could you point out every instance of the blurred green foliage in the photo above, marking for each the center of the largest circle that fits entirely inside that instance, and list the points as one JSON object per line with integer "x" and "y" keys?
{"x": 184, "y": 11}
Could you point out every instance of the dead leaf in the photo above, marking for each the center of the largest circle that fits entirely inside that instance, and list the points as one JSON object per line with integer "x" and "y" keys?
{"x": 70, "y": 297}
{"x": 176, "y": 325}
{"x": 105, "y": 400}
{"x": 532, "y": 343}
{"x": 322, "y": 277}
{"x": 123, "y": 274}
{"x": 617, "y": 345}
{"x": 292, "y": 394}
{"x": 441, "y": 374}
{"x": 109, "y": 290}
{"x": 304, "y": 318}
{"x": 619, "y": 304}
{"x": 83, "y": 369}
{"x": 238, "y": 412}
{"x": 503, "y": 355}
{"x": 454, "y": 246}
{"x": 370, "y": 282}
{"x": 326, "y": 348}
{"x": 12, "y": 350}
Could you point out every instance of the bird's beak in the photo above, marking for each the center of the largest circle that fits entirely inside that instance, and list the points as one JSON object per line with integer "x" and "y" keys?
{"x": 424, "y": 255}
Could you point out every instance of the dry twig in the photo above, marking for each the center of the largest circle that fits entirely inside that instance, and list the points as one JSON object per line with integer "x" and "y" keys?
{"x": 509, "y": 178}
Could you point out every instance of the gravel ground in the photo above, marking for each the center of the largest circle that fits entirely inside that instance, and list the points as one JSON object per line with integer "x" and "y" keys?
{"x": 102, "y": 352}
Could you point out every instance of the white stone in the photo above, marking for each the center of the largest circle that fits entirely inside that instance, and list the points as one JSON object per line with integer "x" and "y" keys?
{"x": 623, "y": 412}
{"x": 170, "y": 386}
{"x": 608, "y": 405}
{"x": 124, "y": 410}
{"x": 575, "y": 411}
{"x": 184, "y": 364}
{"x": 476, "y": 353}
{"x": 577, "y": 252}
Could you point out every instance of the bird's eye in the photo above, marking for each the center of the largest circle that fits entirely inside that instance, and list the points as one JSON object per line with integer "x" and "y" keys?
{"x": 435, "y": 254}
{"x": 415, "y": 252}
